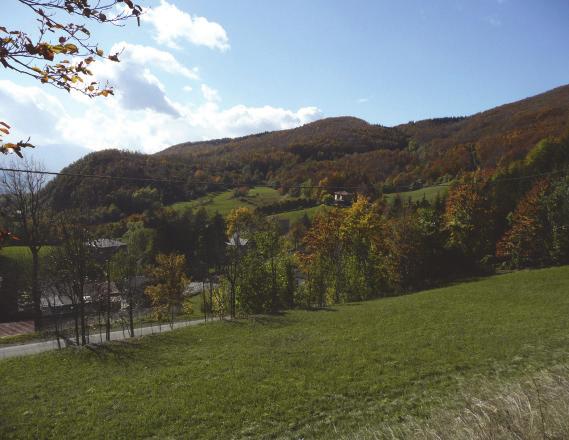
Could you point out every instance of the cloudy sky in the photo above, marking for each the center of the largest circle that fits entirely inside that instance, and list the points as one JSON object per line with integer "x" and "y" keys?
{"x": 202, "y": 69}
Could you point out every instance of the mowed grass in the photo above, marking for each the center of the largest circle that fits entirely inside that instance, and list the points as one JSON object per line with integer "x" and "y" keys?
{"x": 300, "y": 375}
{"x": 225, "y": 201}
{"x": 430, "y": 193}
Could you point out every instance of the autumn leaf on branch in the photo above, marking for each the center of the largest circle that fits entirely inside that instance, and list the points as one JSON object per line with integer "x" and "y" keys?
{"x": 60, "y": 53}
{"x": 9, "y": 147}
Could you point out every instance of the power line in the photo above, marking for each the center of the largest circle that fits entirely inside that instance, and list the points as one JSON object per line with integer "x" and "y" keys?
{"x": 156, "y": 180}
{"x": 229, "y": 186}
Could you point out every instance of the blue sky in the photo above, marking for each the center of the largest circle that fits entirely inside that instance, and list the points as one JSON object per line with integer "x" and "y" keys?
{"x": 200, "y": 69}
{"x": 406, "y": 59}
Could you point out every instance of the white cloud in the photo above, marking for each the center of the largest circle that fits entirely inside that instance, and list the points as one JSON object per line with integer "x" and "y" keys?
{"x": 187, "y": 89}
{"x": 31, "y": 111}
{"x": 134, "y": 80}
{"x": 118, "y": 122}
{"x": 147, "y": 55}
{"x": 362, "y": 100}
{"x": 172, "y": 25}
{"x": 209, "y": 94}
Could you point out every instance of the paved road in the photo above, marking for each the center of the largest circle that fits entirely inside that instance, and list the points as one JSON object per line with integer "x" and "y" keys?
{"x": 39, "y": 347}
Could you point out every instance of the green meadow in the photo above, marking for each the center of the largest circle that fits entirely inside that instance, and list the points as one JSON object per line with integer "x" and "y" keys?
{"x": 224, "y": 202}
{"x": 302, "y": 374}
{"x": 430, "y": 193}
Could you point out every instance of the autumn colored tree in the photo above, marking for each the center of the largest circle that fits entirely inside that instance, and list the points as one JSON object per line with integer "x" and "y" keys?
{"x": 60, "y": 53}
{"x": 524, "y": 244}
{"x": 321, "y": 260}
{"x": 539, "y": 232}
{"x": 415, "y": 255}
{"x": 168, "y": 278}
{"x": 469, "y": 218}
{"x": 241, "y": 222}
{"x": 362, "y": 232}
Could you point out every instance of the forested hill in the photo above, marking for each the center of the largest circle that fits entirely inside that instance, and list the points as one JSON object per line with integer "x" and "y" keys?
{"x": 327, "y": 138}
{"x": 342, "y": 151}
{"x": 500, "y": 134}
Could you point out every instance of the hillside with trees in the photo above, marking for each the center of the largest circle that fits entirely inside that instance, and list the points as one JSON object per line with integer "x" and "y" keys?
{"x": 341, "y": 152}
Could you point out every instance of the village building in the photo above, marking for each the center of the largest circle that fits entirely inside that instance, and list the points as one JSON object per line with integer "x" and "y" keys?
{"x": 343, "y": 198}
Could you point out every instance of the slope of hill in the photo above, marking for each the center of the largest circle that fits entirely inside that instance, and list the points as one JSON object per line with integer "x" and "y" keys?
{"x": 336, "y": 152}
{"x": 498, "y": 135}
{"x": 304, "y": 374}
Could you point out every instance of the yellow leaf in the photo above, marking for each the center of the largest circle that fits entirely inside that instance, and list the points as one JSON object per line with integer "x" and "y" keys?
{"x": 71, "y": 48}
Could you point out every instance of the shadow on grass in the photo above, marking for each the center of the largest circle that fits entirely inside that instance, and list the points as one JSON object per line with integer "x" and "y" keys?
{"x": 123, "y": 352}
{"x": 323, "y": 309}
{"x": 276, "y": 320}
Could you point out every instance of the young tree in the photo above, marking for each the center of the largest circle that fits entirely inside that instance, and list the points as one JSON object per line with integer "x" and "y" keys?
{"x": 126, "y": 268}
{"x": 70, "y": 266}
{"x": 29, "y": 208}
{"x": 322, "y": 258}
{"x": 241, "y": 223}
{"x": 266, "y": 281}
{"x": 169, "y": 283}
{"x": 127, "y": 265}
{"x": 269, "y": 245}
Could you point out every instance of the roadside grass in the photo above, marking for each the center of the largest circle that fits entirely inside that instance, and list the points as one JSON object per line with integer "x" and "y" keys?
{"x": 430, "y": 193}
{"x": 302, "y": 374}
{"x": 20, "y": 339}
{"x": 224, "y": 202}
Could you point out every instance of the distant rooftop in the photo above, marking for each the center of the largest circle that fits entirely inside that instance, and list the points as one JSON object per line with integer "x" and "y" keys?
{"x": 102, "y": 243}
{"x": 235, "y": 239}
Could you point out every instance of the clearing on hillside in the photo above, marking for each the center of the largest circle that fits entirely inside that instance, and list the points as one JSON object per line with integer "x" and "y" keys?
{"x": 224, "y": 202}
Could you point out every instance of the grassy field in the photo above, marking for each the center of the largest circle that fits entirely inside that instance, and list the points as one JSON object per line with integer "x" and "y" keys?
{"x": 296, "y": 215}
{"x": 21, "y": 252}
{"x": 430, "y": 193}
{"x": 21, "y": 255}
{"x": 299, "y": 375}
{"x": 224, "y": 202}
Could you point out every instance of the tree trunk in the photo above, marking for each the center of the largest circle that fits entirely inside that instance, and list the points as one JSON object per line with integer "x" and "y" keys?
{"x": 131, "y": 314}
{"x": 108, "y": 321}
{"x": 82, "y": 317}
{"x": 76, "y": 318}
{"x": 36, "y": 295}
